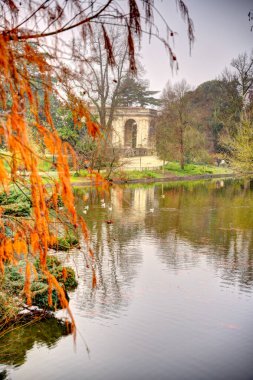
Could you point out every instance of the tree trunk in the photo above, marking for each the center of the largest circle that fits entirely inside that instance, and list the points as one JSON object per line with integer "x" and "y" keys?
{"x": 182, "y": 149}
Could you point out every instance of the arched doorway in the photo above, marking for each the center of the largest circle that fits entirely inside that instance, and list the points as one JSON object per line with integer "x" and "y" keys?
{"x": 130, "y": 133}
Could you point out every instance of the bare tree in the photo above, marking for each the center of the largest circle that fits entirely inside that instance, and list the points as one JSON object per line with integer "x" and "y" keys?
{"x": 236, "y": 83}
{"x": 175, "y": 117}
{"x": 243, "y": 75}
{"x": 99, "y": 81}
{"x": 236, "y": 114}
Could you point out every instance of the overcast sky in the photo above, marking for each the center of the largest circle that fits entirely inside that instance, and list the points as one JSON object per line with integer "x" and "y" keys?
{"x": 222, "y": 31}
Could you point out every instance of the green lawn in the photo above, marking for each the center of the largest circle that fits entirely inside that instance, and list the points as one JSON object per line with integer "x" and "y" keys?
{"x": 170, "y": 169}
{"x": 194, "y": 169}
{"x": 136, "y": 174}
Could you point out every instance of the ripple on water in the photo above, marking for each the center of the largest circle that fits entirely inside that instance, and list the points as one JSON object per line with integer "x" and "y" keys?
{"x": 174, "y": 289}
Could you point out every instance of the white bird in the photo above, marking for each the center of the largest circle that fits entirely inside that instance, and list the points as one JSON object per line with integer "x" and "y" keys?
{"x": 102, "y": 201}
{"x": 103, "y": 205}
{"x": 151, "y": 209}
{"x": 163, "y": 196}
{"x": 110, "y": 208}
{"x": 85, "y": 211}
{"x": 86, "y": 207}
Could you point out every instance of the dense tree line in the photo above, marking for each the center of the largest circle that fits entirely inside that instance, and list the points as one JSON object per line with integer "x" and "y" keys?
{"x": 213, "y": 121}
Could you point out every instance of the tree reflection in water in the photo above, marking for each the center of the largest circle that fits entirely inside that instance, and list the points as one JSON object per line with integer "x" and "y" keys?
{"x": 193, "y": 223}
{"x": 215, "y": 220}
{"x": 15, "y": 345}
{"x": 116, "y": 249}
{"x": 210, "y": 218}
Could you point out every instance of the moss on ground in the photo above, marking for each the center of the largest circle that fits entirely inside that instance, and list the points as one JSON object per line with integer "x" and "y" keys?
{"x": 15, "y": 203}
{"x": 12, "y": 283}
{"x": 65, "y": 243}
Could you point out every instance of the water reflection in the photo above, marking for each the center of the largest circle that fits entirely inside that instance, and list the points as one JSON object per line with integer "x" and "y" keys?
{"x": 186, "y": 221}
{"x": 213, "y": 220}
{"x": 116, "y": 247}
{"x": 15, "y": 345}
{"x": 174, "y": 288}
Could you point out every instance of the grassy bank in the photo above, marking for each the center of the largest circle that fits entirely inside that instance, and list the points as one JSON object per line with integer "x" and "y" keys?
{"x": 194, "y": 169}
{"x": 171, "y": 169}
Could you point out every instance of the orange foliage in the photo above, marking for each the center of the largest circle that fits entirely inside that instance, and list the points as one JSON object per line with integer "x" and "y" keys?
{"x": 27, "y": 287}
{"x": 33, "y": 237}
{"x": 64, "y": 274}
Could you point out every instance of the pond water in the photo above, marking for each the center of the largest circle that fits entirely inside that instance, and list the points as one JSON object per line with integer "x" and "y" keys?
{"x": 174, "y": 296}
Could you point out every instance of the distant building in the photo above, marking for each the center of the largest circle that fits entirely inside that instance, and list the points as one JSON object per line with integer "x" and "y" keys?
{"x": 133, "y": 130}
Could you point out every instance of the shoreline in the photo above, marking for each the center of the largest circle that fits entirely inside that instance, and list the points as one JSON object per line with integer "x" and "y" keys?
{"x": 165, "y": 179}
